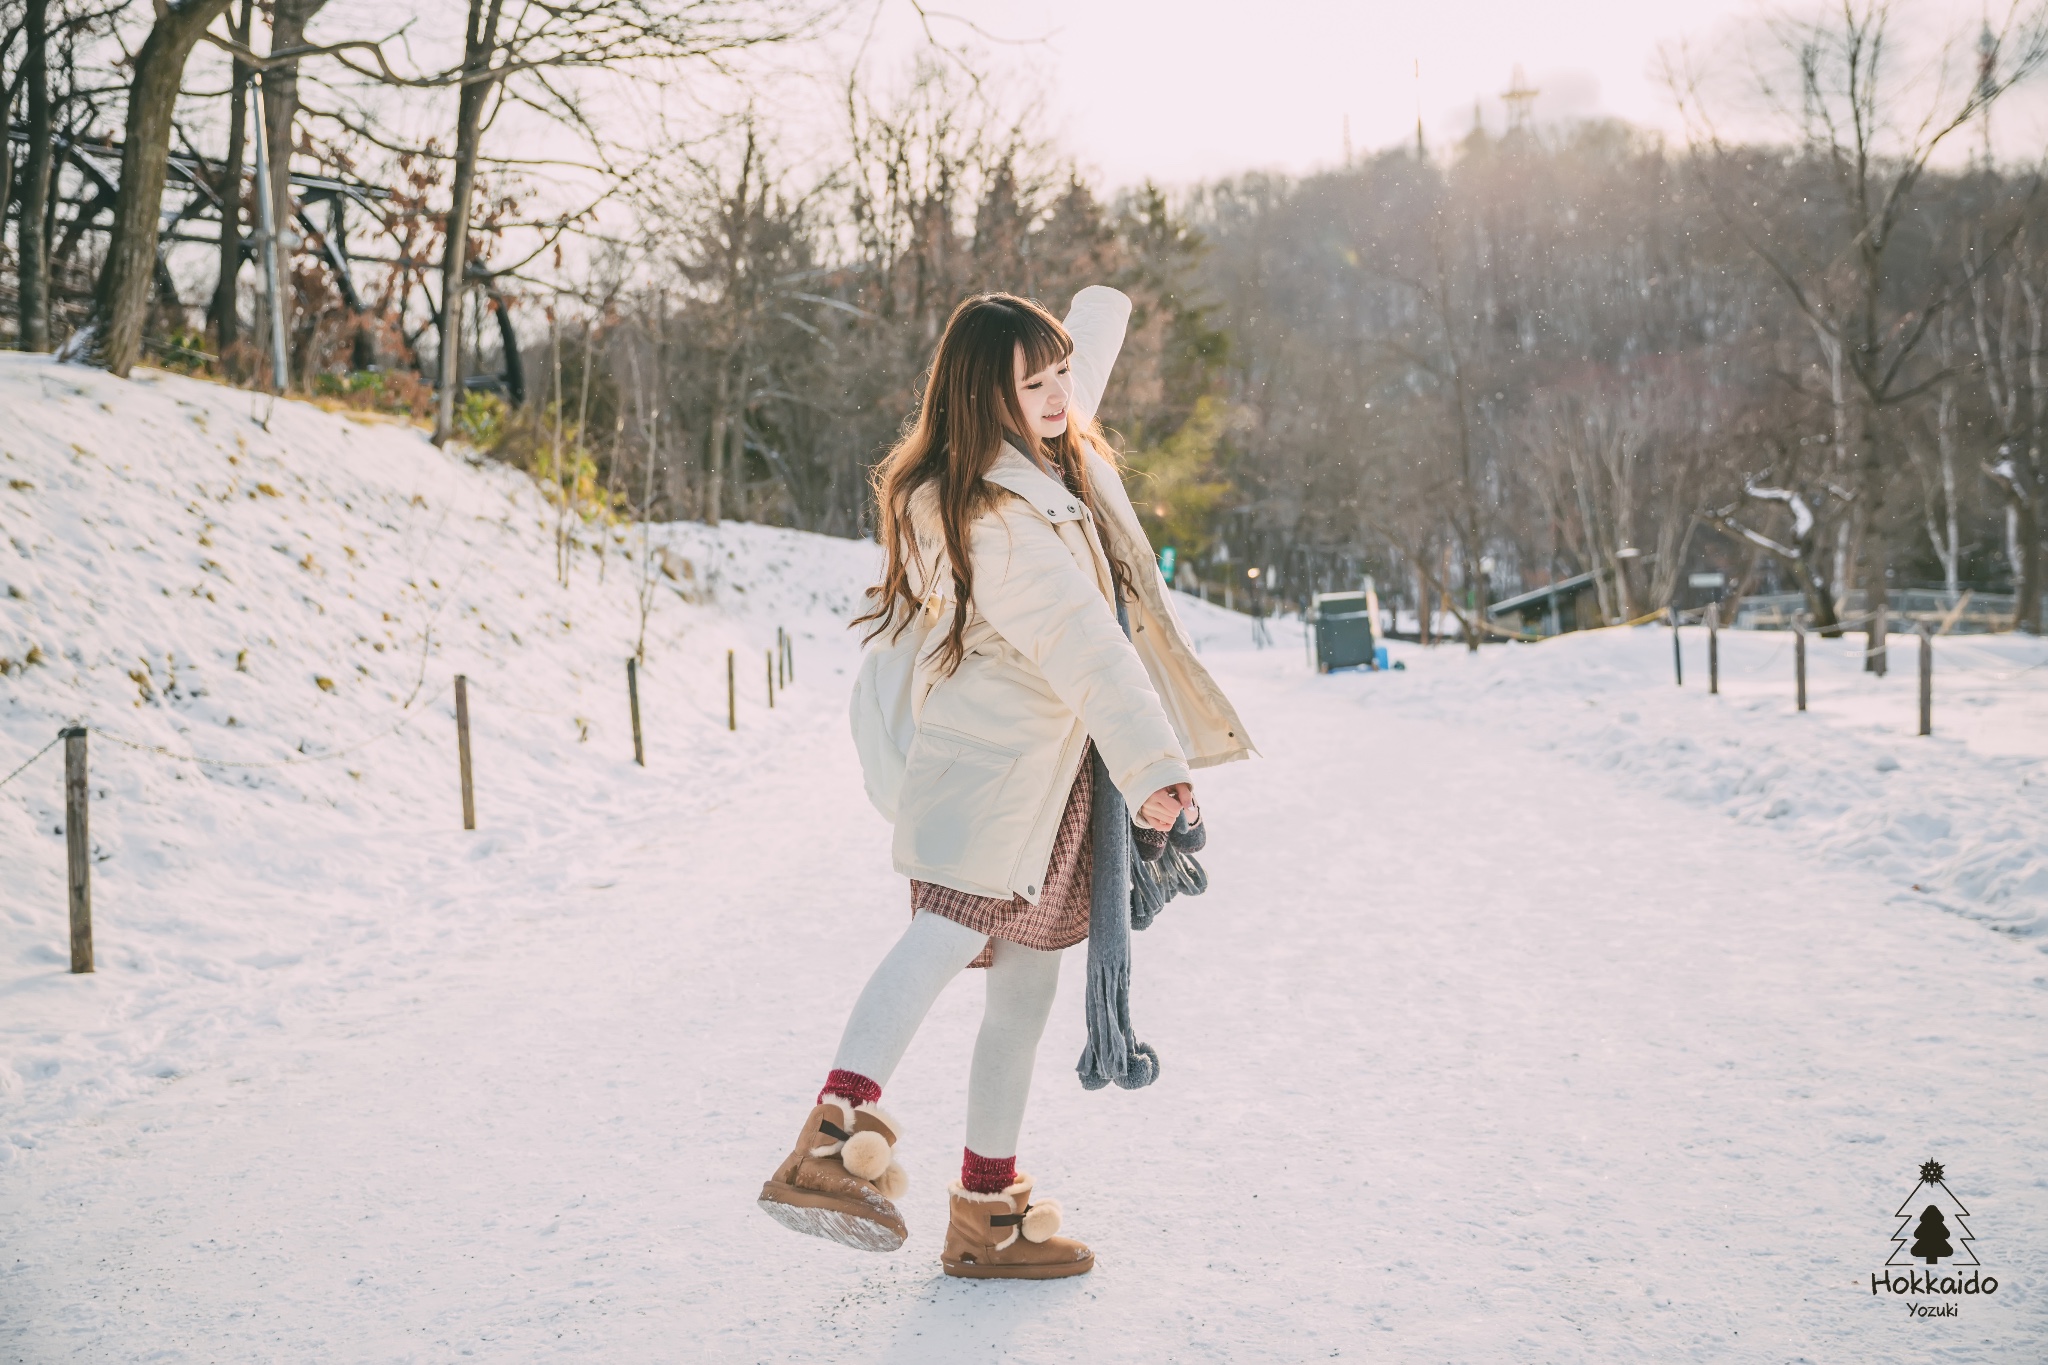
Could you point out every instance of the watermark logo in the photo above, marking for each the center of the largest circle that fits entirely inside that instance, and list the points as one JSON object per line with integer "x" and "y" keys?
{"x": 1932, "y": 1252}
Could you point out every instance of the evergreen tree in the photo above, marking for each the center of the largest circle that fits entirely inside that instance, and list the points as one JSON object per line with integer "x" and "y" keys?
{"x": 1930, "y": 1238}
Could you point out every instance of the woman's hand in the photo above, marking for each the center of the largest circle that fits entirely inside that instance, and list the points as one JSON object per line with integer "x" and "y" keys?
{"x": 1164, "y": 806}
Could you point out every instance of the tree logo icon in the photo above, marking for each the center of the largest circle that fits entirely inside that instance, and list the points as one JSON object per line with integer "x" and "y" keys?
{"x": 1931, "y": 1252}
{"x": 1930, "y": 1239}
{"x": 1931, "y": 1227}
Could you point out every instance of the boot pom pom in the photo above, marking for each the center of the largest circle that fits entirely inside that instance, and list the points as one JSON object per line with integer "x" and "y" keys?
{"x": 893, "y": 1182}
{"x": 1041, "y": 1221}
{"x": 866, "y": 1154}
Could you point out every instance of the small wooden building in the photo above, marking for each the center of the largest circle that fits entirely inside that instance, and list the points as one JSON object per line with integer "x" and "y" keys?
{"x": 1553, "y": 609}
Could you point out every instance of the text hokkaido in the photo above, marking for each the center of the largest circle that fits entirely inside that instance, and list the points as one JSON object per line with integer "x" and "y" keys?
{"x": 1916, "y": 1282}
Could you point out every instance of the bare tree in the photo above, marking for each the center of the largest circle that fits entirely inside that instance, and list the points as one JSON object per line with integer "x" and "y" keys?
{"x": 113, "y": 337}
{"x": 1933, "y": 449}
{"x": 288, "y": 21}
{"x": 224, "y": 314}
{"x": 480, "y": 55}
{"x": 33, "y": 256}
{"x": 523, "y": 57}
{"x": 2009, "y": 322}
{"x": 1841, "y": 258}
{"x": 1592, "y": 454}
{"x": 749, "y": 246}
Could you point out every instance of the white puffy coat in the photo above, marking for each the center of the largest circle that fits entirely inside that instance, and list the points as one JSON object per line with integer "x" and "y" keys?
{"x": 999, "y": 740}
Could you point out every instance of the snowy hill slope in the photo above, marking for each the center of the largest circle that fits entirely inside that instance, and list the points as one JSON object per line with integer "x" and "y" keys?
{"x": 291, "y": 605}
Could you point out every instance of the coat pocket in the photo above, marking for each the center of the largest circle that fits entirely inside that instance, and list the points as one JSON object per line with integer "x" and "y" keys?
{"x": 951, "y": 801}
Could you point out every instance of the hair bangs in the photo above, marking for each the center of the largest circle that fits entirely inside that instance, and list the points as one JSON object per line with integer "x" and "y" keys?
{"x": 1045, "y": 342}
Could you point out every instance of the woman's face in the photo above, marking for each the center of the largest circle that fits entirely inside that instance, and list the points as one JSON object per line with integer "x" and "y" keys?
{"x": 1043, "y": 397}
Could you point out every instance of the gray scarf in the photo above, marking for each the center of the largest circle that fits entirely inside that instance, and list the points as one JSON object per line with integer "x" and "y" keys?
{"x": 1127, "y": 893}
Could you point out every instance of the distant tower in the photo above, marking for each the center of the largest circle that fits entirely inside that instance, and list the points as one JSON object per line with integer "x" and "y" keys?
{"x": 1347, "y": 142}
{"x": 1518, "y": 97}
{"x": 1421, "y": 152}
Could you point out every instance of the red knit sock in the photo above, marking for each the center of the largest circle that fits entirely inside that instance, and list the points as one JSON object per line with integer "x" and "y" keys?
{"x": 987, "y": 1174}
{"x": 850, "y": 1086}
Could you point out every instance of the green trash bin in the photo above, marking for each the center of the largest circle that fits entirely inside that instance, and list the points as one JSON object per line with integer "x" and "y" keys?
{"x": 1344, "y": 630}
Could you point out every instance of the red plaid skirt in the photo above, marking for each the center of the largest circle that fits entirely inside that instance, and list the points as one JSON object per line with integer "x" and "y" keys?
{"x": 1060, "y": 919}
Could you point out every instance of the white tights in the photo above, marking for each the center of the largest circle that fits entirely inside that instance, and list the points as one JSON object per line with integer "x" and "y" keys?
{"x": 1021, "y": 985}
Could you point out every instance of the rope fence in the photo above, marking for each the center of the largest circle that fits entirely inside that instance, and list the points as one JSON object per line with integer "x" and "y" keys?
{"x": 31, "y": 760}
{"x": 1876, "y": 649}
{"x": 1878, "y": 626}
{"x": 302, "y": 761}
{"x": 781, "y": 674}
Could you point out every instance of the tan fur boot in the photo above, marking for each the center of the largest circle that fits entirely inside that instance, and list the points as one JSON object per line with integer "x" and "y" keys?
{"x": 840, "y": 1178}
{"x": 1007, "y": 1237}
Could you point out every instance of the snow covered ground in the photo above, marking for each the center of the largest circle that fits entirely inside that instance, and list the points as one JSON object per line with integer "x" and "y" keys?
{"x": 1956, "y": 820}
{"x": 1540, "y": 1010}
{"x": 292, "y": 607}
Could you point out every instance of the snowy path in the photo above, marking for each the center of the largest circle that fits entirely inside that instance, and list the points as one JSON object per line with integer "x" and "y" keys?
{"x": 1472, "y": 1054}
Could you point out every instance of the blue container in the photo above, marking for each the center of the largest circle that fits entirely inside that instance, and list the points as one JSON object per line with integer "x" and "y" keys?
{"x": 1379, "y": 657}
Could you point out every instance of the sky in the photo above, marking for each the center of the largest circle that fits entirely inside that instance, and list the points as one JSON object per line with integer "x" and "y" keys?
{"x": 1175, "y": 92}
{"x": 1184, "y": 90}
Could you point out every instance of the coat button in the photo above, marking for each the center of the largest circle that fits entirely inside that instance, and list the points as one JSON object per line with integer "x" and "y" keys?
{"x": 1030, "y": 890}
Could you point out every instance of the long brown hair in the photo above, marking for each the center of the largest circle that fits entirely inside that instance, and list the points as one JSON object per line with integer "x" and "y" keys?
{"x": 969, "y": 410}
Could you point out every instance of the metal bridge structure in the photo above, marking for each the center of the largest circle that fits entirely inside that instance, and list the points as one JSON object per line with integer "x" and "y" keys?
{"x": 331, "y": 216}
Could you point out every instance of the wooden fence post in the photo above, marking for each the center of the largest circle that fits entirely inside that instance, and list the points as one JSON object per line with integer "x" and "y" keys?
{"x": 633, "y": 699}
{"x": 1713, "y": 649}
{"x": 732, "y": 706}
{"x": 1799, "y": 661}
{"x": 1677, "y": 658}
{"x": 769, "y": 658}
{"x": 781, "y": 657}
{"x": 462, "y": 749}
{"x": 78, "y": 847}
{"x": 1926, "y": 681}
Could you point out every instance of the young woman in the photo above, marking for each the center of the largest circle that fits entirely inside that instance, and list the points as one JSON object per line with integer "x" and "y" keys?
{"x": 1005, "y": 522}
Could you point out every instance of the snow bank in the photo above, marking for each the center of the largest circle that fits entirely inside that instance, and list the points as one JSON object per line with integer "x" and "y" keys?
{"x": 1957, "y": 820}
{"x": 287, "y": 593}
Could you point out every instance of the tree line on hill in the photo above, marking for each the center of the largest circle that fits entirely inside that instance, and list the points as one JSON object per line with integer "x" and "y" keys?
{"x": 1811, "y": 358}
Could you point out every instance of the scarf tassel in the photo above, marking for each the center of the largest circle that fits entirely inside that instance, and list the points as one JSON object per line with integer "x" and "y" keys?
{"x": 1128, "y": 893}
